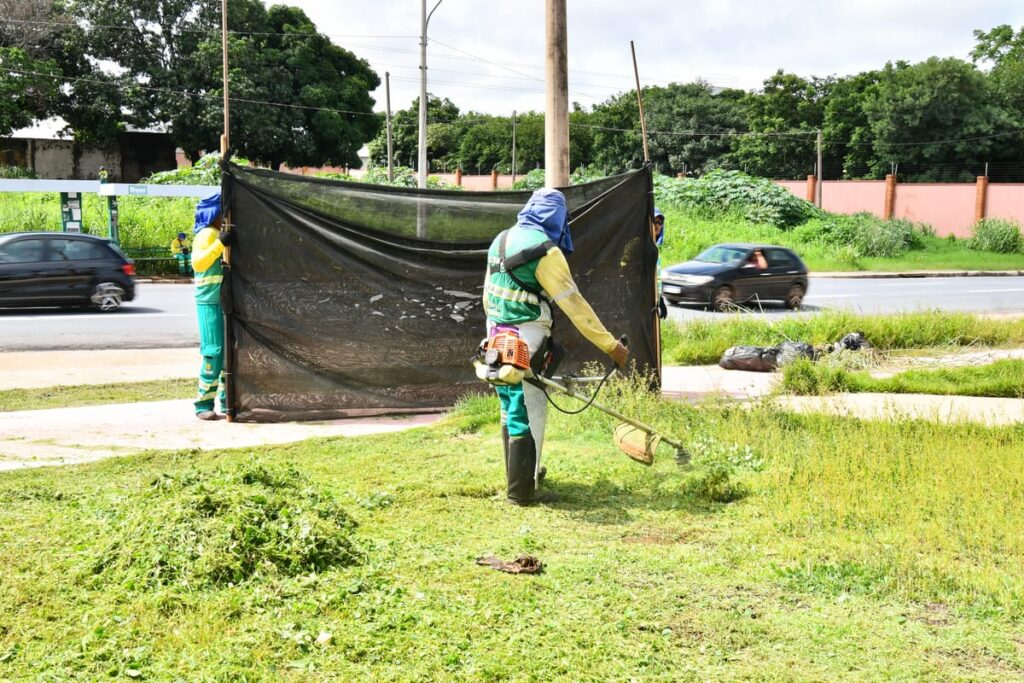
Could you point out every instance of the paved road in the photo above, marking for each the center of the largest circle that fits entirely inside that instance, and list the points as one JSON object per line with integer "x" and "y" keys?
{"x": 162, "y": 315}
{"x": 891, "y": 295}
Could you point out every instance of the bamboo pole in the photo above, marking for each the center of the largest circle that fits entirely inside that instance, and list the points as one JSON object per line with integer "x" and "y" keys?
{"x": 229, "y": 333}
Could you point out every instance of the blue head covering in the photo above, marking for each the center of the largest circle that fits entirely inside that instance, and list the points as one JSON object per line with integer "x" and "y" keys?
{"x": 545, "y": 211}
{"x": 659, "y": 239}
{"x": 207, "y": 211}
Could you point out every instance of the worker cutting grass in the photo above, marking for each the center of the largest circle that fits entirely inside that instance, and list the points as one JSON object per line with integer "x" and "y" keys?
{"x": 526, "y": 273}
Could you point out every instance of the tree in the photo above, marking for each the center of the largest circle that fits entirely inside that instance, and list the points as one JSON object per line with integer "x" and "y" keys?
{"x": 405, "y": 133}
{"x": 1004, "y": 49}
{"x": 27, "y": 91}
{"x": 934, "y": 119}
{"x": 167, "y": 56}
{"x": 693, "y": 126}
{"x": 783, "y": 118}
{"x": 848, "y": 139}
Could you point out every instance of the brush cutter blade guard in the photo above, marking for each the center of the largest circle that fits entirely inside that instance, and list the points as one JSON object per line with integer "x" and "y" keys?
{"x": 637, "y": 443}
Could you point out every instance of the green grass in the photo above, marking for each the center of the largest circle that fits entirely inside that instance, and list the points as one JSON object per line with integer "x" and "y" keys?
{"x": 95, "y": 394}
{"x": 690, "y": 233}
{"x": 143, "y": 221}
{"x": 704, "y": 341}
{"x": 1001, "y": 379}
{"x": 851, "y": 551}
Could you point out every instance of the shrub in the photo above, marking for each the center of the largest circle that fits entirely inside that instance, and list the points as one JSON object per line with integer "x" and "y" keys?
{"x": 15, "y": 172}
{"x": 998, "y": 235}
{"x": 534, "y": 180}
{"x": 863, "y": 235}
{"x": 758, "y": 200}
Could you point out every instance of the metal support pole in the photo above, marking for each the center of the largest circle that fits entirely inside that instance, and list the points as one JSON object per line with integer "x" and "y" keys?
{"x": 817, "y": 198}
{"x": 513, "y": 147}
{"x": 391, "y": 145}
{"x": 422, "y": 161}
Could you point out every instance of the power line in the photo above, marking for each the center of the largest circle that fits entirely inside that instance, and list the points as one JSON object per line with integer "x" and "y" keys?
{"x": 245, "y": 100}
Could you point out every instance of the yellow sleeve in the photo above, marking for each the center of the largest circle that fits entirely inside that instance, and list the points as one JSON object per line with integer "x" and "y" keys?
{"x": 554, "y": 276}
{"x": 206, "y": 249}
{"x": 175, "y": 246}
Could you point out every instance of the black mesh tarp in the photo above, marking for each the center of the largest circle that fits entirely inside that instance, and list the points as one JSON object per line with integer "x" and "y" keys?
{"x": 350, "y": 299}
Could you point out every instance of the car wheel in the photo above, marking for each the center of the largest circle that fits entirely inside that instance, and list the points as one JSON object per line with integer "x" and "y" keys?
{"x": 795, "y": 297}
{"x": 722, "y": 299}
{"x": 107, "y": 296}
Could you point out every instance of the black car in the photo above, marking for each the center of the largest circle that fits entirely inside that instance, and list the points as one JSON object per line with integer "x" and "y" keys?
{"x": 64, "y": 269}
{"x": 729, "y": 274}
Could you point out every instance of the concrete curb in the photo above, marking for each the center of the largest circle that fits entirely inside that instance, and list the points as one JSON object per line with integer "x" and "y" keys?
{"x": 871, "y": 275}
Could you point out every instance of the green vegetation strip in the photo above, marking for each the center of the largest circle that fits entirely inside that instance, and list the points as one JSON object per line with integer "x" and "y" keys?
{"x": 95, "y": 394}
{"x": 704, "y": 341}
{"x": 1002, "y": 379}
{"x": 797, "y": 548}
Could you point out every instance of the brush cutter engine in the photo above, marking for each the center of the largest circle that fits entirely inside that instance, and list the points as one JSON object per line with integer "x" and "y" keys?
{"x": 503, "y": 358}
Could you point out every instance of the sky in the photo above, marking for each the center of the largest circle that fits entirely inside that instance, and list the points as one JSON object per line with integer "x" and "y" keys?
{"x": 489, "y": 56}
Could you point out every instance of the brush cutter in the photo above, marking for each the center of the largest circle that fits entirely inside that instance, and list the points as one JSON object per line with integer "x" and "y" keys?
{"x": 634, "y": 438}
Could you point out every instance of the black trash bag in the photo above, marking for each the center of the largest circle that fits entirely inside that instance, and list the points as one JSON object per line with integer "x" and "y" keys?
{"x": 787, "y": 352}
{"x": 750, "y": 358}
{"x": 854, "y": 341}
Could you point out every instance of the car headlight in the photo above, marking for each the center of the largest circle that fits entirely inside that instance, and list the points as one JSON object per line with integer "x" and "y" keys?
{"x": 697, "y": 279}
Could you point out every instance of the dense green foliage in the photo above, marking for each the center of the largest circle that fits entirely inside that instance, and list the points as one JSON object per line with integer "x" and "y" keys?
{"x": 998, "y": 235}
{"x": 1001, "y": 379}
{"x": 757, "y": 200}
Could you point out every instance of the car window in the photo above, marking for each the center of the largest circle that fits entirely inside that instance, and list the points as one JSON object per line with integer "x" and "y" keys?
{"x": 721, "y": 255}
{"x": 22, "y": 251}
{"x": 77, "y": 250}
{"x": 779, "y": 258}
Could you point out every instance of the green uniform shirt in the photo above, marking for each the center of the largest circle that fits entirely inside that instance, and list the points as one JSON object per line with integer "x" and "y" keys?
{"x": 506, "y": 301}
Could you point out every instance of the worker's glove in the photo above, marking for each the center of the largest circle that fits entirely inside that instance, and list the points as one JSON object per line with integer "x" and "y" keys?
{"x": 619, "y": 354}
{"x": 227, "y": 237}
{"x": 662, "y": 308}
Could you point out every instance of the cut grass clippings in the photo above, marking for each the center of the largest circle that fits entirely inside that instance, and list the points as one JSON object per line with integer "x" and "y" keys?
{"x": 849, "y": 550}
{"x": 703, "y": 341}
{"x": 95, "y": 394}
{"x": 1001, "y": 379}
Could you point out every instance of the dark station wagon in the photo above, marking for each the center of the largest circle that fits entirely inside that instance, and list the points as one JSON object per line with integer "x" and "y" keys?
{"x": 64, "y": 269}
{"x": 729, "y": 274}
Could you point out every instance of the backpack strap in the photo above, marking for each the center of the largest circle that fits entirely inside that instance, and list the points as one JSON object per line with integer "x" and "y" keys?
{"x": 507, "y": 265}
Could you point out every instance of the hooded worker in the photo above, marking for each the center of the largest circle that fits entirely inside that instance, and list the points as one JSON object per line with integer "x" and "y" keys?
{"x": 659, "y": 239}
{"x": 208, "y": 244}
{"x": 526, "y": 273}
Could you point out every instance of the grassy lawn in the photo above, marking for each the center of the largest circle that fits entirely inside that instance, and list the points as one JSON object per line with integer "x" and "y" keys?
{"x": 847, "y": 551}
{"x": 704, "y": 341}
{"x": 690, "y": 233}
{"x": 1001, "y": 379}
{"x": 95, "y": 394}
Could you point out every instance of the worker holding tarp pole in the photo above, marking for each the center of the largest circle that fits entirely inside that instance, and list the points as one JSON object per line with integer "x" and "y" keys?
{"x": 526, "y": 274}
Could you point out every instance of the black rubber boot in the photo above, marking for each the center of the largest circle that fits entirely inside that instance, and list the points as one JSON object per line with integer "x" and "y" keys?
{"x": 520, "y": 470}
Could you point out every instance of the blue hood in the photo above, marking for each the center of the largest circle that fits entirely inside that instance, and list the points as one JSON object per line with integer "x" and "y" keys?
{"x": 207, "y": 211}
{"x": 659, "y": 239}
{"x": 545, "y": 211}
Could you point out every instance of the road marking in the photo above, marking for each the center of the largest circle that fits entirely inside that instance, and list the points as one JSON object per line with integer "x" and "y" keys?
{"x": 105, "y": 317}
{"x": 831, "y": 296}
{"x": 989, "y": 291}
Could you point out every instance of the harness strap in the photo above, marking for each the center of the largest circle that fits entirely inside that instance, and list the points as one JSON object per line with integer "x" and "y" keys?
{"x": 507, "y": 265}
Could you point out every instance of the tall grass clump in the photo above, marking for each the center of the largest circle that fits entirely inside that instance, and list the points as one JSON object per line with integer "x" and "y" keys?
{"x": 997, "y": 235}
{"x": 864, "y": 234}
{"x": 218, "y": 528}
{"x": 1001, "y": 379}
{"x": 704, "y": 341}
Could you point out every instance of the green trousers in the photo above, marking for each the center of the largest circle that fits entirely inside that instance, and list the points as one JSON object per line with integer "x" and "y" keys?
{"x": 184, "y": 264}
{"x": 211, "y": 346}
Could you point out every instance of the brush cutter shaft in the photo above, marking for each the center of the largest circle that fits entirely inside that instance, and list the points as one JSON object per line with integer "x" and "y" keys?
{"x": 568, "y": 391}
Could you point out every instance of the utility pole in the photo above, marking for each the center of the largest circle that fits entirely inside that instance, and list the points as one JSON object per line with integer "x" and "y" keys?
{"x": 391, "y": 146}
{"x": 817, "y": 185}
{"x": 556, "y": 115}
{"x": 422, "y": 162}
{"x": 514, "y": 147}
